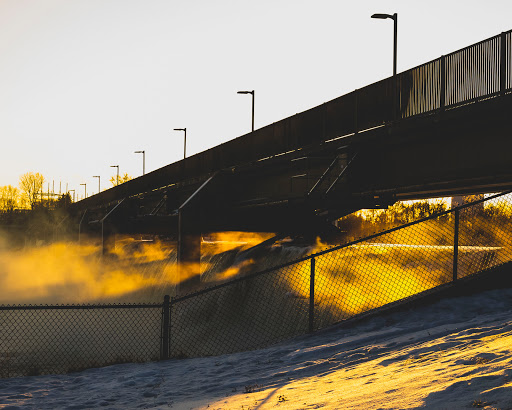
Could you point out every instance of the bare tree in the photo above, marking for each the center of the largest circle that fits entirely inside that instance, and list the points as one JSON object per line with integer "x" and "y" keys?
{"x": 31, "y": 184}
{"x": 9, "y": 198}
{"x": 122, "y": 179}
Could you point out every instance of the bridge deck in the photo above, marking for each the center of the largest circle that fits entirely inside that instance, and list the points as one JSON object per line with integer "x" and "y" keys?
{"x": 475, "y": 73}
{"x": 438, "y": 129}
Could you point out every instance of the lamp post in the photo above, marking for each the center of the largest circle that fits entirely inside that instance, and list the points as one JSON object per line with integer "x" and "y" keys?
{"x": 73, "y": 194}
{"x": 184, "y": 142}
{"x": 116, "y": 166}
{"x": 143, "y": 160}
{"x": 99, "y": 185}
{"x": 393, "y": 17}
{"x": 252, "y": 93}
{"x": 85, "y": 187}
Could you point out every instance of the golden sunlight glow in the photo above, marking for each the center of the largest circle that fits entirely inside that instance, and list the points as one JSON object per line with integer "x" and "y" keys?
{"x": 64, "y": 272}
{"x": 73, "y": 273}
{"x": 400, "y": 379}
{"x": 218, "y": 242}
{"x": 234, "y": 270}
{"x": 369, "y": 275}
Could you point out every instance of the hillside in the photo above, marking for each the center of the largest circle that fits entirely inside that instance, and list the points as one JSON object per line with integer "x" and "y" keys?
{"x": 455, "y": 353}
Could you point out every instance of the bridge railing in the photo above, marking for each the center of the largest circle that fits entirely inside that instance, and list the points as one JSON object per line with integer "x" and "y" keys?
{"x": 374, "y": 105}
{"x": 473, "y": 72}
{"x": 420, "y": 89}
{"x": 482, "y": 70}
{"x": 507, "y": 43}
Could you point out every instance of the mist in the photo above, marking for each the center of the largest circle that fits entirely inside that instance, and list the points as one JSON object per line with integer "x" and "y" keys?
{"x": 134, "y": 270}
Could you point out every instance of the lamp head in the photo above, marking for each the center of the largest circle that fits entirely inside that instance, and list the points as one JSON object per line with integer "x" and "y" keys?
{"x": 383, "y": 16}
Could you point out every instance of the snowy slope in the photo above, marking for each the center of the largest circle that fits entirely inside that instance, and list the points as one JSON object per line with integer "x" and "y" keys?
{"x": 455, "y": 353}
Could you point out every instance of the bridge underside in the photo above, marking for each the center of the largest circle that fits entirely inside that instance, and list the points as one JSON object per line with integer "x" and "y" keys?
{"x": 446, "y": 153}
{"x": 464, "y": 150}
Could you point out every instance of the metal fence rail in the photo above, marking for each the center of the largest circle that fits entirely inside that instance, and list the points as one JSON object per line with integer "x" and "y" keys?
{"x": 420, "y": 89}
{"x": 473, "y": 72}
{"x": 506, "y": 43}
{"x": 265, "y": 307}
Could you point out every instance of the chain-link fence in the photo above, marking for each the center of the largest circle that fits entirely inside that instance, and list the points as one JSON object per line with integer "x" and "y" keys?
{"x": 342, "y": 282}
{"x": 59, "y": 339}
{"x": 263, "y": 308}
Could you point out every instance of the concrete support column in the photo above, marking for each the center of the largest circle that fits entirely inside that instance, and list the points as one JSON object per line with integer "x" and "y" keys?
{"x": 189, "y": 239}
{"x": 108, "y": 237}
{"x": 189, "y": 250}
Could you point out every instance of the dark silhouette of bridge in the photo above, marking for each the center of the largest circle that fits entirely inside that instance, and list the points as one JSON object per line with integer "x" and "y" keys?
{"x": 439, "y": 129}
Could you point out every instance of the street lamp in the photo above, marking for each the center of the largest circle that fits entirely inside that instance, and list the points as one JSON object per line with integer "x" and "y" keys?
{"x": 393, "y": 17}
{"x": 252, "y": 93}
{"x": 73, "y": 194}
{"x": 85, "y": 186}
{"x": 143, "y": 160}
{"x": 116, "y": 166}
{"x": 99, "y": 179}
{"x": 185, "y": 141}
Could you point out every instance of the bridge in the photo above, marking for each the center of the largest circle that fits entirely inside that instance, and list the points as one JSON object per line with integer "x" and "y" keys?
{"x": 439, "y": 129}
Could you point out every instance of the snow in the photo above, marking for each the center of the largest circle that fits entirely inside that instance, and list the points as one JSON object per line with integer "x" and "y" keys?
{"x": 455, "y": 353}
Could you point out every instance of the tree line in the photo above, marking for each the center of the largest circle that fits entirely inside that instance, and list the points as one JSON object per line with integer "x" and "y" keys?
{"x": 25, "y": 195}
{"x": 30, "y": 192}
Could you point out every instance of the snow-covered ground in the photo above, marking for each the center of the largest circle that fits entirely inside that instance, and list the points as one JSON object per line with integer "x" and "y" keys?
{"x": 453, "y": 354}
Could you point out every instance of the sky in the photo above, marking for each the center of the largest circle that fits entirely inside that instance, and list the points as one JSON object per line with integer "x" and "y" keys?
{"x": 85, "y": 83}
{"x": 453, "y": 354}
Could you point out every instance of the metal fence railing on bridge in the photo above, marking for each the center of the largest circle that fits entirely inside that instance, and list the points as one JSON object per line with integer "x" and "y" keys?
{"x": 266, "y": 307}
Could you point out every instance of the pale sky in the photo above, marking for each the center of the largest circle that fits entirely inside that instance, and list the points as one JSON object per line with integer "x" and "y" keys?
{"x": 85, "y": 83}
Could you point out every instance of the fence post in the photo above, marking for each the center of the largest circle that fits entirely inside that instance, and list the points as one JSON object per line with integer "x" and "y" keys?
{"x": 456, "y": 245}
{"x": 312, "y": 297}
{"x": 166, "y": 315}
{"x": 503, "y": 63}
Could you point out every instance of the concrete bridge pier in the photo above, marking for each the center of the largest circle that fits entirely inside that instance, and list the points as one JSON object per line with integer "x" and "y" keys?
{"x": 189, "y": 237}
{"x": 189, "y": 250}
{"x": 108, "y": 237}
